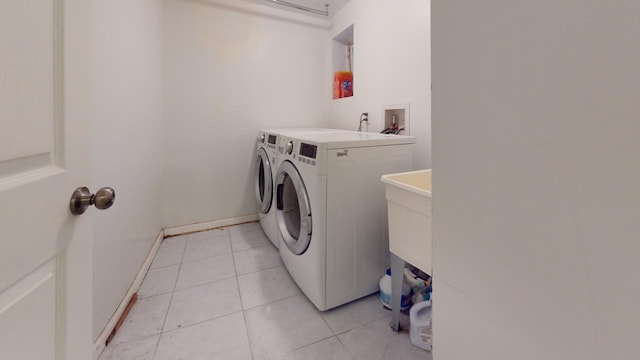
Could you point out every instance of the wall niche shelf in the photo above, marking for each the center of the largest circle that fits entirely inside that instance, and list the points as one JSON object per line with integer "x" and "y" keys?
{"x": 342, "y": 51}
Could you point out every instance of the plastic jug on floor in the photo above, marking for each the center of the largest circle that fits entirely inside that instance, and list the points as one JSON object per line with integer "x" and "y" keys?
{"x": 385, "y": 292}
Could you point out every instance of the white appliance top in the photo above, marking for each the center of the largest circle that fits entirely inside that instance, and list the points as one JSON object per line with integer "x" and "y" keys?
{"x": 290, "y": 131}
{"x": 352, "y": 139}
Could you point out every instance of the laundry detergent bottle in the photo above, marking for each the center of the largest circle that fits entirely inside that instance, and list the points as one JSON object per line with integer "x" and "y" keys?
{"x": 385, "y": 292}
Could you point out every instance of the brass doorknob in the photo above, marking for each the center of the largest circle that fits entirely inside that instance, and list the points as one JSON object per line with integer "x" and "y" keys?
{"x": 82, "y": 198}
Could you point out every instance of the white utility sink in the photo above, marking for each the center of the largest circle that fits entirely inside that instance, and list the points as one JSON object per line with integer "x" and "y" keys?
{"x": 409, "y": 204}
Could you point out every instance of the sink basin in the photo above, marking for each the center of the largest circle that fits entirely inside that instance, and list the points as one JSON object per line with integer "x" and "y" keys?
{"x": 409, "y": 204}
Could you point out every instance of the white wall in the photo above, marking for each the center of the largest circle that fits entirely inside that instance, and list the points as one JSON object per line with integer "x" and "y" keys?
{"x": 536, "y": 200}
{"x": 230, "y": 69}
{"x": 391, "y": 66}
{"x": 127, "y": 141}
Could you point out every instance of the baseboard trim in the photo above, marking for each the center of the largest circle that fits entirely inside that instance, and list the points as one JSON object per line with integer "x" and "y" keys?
{"x": 99, "y": 344}
{"x": 185, "y": 229}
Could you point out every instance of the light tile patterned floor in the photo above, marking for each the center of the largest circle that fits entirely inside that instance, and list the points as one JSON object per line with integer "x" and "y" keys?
{"x": 224, "y": 294}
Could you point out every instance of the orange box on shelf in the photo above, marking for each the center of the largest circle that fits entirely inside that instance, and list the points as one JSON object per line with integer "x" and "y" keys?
{"x": 342, "y": 84}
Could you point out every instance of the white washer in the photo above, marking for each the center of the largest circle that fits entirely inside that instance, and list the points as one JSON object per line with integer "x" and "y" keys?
{"x": 266, "y": 166}
{"x": 303, "y": 131}
{"x": 265, "y": 175}
{"x": 331, "y": 210}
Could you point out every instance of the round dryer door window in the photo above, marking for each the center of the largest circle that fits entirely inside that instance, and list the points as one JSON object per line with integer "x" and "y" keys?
{"x": 264, "y": 181}
{"x": 293, "y": 209}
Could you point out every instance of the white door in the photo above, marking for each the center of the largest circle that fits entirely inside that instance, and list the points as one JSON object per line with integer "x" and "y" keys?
{"x": 264, "y": 181}
{"x": 45, "y": 252}
{"x": 293, "y": 210}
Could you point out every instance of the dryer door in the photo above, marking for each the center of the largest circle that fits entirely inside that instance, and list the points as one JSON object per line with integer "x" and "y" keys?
{"x": 264, "y": 181}
{"x": 293, "y": 209}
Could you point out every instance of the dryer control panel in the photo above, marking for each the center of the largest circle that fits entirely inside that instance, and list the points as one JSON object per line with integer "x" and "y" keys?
{"x": 271, "y": 141}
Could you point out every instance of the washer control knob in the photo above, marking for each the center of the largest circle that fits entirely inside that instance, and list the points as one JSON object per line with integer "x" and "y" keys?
{"x": 261, "y": 138}
{"x": 289, "y": 149}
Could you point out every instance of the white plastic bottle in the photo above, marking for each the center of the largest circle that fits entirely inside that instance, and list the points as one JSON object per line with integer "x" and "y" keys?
{"x": 420, "y": 331}
{"x": 385, "y": 292}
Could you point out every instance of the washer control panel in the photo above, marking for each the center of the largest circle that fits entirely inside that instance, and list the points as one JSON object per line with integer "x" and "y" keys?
{"x": 308, "y": 150}
{"x": 304, "y": 154}
{"x": 289, "y": 148}
{"x": 307, "y": 154}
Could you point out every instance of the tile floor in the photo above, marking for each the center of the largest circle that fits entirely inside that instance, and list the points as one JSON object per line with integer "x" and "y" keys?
{"x": 224, "y": 294}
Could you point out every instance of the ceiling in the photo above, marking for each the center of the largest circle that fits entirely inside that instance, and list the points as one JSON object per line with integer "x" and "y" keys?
{"x": 334, "y": 6}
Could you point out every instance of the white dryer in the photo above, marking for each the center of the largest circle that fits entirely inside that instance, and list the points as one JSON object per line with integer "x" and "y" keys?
{"x": 331, "y": 210}
{"x": 266, "y": 157}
